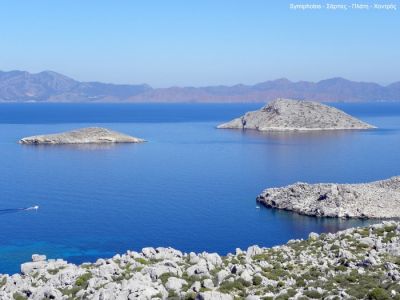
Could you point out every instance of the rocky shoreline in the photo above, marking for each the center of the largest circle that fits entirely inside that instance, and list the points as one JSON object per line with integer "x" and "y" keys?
{"x": 296, "y": 115}
{"x": 90, "y": 135}
{"x": 357, "y": 263}
{"x": 379, "y": 199}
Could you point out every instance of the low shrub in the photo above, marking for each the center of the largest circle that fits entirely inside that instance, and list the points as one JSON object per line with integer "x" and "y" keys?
{"x": 378, "y": 294}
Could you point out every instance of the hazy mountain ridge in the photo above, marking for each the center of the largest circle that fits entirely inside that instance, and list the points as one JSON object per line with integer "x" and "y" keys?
{"x": 19, "y": 86}
{"x": 48, "y": 86}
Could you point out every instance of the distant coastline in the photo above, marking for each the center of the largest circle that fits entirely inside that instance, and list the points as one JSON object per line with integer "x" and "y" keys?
{"x": 49, "y": 86}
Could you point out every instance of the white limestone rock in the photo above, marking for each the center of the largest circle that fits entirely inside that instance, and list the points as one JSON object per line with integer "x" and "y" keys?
{"x": 196, "y": 286}
{"x": 208, "y": 283}
{"x": 253, "y": 250}
{"x": 38, "y": 257}
{"x": 213, "y": 295}
{"x": 174, "y": 283}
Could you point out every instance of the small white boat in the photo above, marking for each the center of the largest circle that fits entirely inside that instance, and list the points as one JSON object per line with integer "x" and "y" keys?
{"x": 36, "y": 207}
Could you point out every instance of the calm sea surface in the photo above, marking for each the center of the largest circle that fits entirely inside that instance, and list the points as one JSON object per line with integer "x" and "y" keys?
{"x": 191, "y": 187}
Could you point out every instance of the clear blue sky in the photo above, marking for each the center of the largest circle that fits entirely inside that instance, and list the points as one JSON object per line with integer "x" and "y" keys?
{"x": 195, "y": 43}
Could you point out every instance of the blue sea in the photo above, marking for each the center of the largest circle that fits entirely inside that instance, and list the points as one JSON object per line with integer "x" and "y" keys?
{"x": 191, "y": 186}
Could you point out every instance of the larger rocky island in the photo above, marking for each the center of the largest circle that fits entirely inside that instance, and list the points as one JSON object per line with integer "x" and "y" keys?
{"x": 357, "y": 263}
{"x": 90, "y": 135}
{"x": 289, "y": 115}
{"x": 379, "y": 199}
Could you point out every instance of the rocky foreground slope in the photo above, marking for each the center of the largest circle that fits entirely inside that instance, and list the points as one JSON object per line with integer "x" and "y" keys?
{"x": 358, "y": 263}
{"x": 289, "y": 115}
{"x": 379, "y": 199}
{"x": 91, "y": 135}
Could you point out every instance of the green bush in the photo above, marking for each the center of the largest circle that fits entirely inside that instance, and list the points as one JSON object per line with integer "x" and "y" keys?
{"x": 390, "y": 228}
{"x": 3, "y": 282}
{"x": 18, "y": 296}
{"x": 82, "y": 280}
{"x": 291, "y": 292}
{"x": 142, "y": 261}
{"x": 388, "y": 237}
{"x": 280, "y": 284}
{"x": 313, "y": 294}
{"x": 53, "y": 271}
{"x": 164, "y": 277}
{"x": 357, "y": 291}
{"x": 283, "y": 297}
{"x": 378, "y": 294}
{"x": 300, "y": 282}
{"x": 138, "y": 269}
{"x": 341, "y": 268}
{"x": 257, "y": 280}
{"x": 335, "y": 247}
{"x": 259, "y": 257}
{"x": 364, "y": 232}
{"x": 238, "y": 284}
{"x": 70, "y": 292}
{"x": 397, "y": 261}
{"x": 172, "y": 294}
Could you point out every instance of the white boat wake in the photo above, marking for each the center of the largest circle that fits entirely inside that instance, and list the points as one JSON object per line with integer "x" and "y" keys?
{"x": 13, "y": 210}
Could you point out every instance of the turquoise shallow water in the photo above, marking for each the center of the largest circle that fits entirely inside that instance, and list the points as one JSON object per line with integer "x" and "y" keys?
{"x": 191, "y": 187}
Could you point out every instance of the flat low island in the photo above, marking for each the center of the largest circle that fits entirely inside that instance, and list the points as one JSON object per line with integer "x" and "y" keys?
{"x": 90, "y": 135}
{"x": 296, "y": 115}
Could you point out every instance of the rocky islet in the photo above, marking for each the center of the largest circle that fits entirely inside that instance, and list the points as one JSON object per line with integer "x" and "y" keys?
{"x": 296, "y": 115}
{"x": 378, "y": 199}
{"x": 90, "y": 135}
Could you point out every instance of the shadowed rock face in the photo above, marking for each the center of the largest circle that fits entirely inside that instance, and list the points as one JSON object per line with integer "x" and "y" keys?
{"x": 286, "y": 114}
{"x": 379, "y": 199}
{"x": 91, "y": 135}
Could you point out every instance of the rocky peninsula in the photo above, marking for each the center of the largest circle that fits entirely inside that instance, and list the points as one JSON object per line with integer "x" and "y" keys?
{"x": 90, "y": 135}
{"x": 357, "y": 263}
{"x": 379, "y": 199}
{"x": 291, "y": 115}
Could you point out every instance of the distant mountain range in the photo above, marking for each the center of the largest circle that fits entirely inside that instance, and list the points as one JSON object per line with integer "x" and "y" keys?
{"x": 48, "y": 86}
